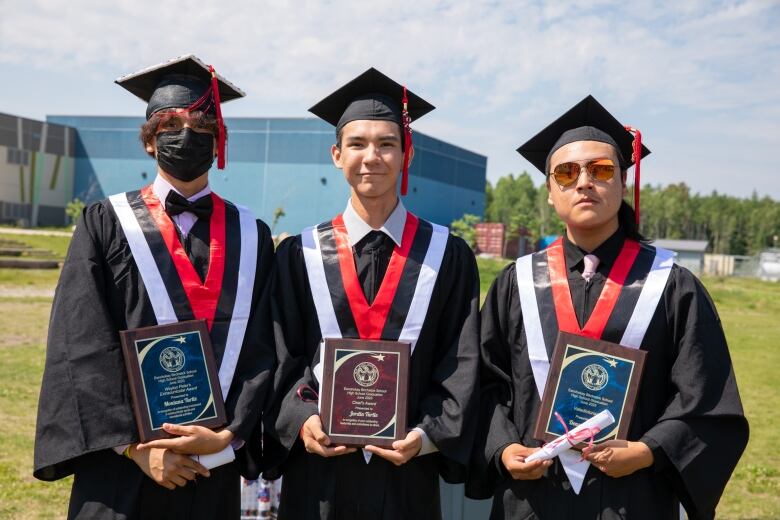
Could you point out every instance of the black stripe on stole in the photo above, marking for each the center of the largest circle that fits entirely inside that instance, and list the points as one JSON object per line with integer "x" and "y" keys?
{"x": 544, "y": 300}
{"x": 162, "y": 257}
{"x": 629, "y": 295}
{"x": 402, "y": 300}
{"x": 227, "y": 295}
{"x": 338, "y": 295}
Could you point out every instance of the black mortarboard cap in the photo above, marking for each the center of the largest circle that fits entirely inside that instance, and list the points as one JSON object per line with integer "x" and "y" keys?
{"x": 178, "y": 83}
{"x": 372, "y": 96}
{"x": 588, "y": 120}
{"x": 184, "y": 82}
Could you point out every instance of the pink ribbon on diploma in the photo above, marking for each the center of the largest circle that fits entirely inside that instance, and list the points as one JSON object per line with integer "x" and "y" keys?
{"x": 576, "y": 438}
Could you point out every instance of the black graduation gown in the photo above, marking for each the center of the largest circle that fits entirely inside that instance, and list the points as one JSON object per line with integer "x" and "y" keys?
{"x": 442, "y": 398}
{"x": 85, "y": 409}
{"x": 688, "y": 409}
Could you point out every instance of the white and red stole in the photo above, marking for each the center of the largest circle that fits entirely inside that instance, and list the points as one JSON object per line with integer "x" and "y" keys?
{"x": 622, "y": 313}
{"x": 176, "y": 292}
{"x": 401, "y": 304}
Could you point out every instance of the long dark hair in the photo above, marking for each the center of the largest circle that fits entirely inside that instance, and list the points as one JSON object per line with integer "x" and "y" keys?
{"x": 627, "y": 222}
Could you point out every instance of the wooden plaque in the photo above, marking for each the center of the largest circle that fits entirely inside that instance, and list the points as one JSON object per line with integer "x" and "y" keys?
{"x": 173, "y": 377}
{"x": 587, "y": 376}
{"x": 364, "y": 391}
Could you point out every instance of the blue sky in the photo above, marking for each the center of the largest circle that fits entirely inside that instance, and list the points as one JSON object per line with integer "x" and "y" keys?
{"x": 701, "y": 79}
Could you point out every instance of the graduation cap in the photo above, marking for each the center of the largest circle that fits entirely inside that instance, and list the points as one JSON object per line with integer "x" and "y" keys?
{"x": 184, "y": 83}
{"x": 374, "y": 96}
{"x": 588, "y": 120}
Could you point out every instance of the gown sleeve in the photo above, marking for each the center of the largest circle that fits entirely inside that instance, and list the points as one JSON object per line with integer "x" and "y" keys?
{"x": 446, "y": 410}
{"x": 496, "y": 428}
{"x": 703, "y": 431}
{"x": 295, "y": 347}
{"x": 84, "y": 403}
{"x": 251, "y": 385}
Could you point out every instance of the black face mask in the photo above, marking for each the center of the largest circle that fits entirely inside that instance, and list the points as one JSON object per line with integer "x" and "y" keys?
{"x": 185, "y": 154}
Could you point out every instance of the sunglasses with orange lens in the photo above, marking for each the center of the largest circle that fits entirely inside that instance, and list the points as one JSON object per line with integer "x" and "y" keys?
{"x": 566, "y": 174}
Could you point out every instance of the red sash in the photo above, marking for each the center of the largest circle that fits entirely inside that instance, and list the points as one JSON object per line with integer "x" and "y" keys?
{"x": 564, "y": 309}
{"x": 203, "y": 296}
{"x": 370, "y": 319}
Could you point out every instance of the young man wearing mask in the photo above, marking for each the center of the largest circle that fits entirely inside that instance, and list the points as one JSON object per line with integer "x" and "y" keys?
{"x": 172, "y": 251}
{"x": 374, "y": 272}
{"x": 604, "y": 281}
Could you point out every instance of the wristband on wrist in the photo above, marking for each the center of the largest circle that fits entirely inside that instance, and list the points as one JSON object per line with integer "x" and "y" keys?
{"x": 126, "y": 453}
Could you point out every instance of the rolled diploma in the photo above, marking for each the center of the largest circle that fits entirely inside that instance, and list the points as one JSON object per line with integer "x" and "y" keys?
{"x": 212, "y": 460}
{"x": 551, "y": 450}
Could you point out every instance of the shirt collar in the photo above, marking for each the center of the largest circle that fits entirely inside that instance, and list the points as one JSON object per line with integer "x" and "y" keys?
{"x": 161, "y": 187}
{"x": 357, "y": 228}
{"x": 607, "y": 252}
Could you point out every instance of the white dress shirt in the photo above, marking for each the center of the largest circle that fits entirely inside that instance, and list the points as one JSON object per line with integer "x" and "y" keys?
{"x": 357, "y": 229}
{"x": 184, "y": 221}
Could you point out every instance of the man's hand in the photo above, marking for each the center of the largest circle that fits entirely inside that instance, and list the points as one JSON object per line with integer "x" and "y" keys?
{"x": 402, "y": 451}
{"x": 315, "y": 440}
{"x": 513, "y": 459}
{"x": 619, "y": 458}
{"x": 167, "y": 468}
{"x": 191, "y": 440}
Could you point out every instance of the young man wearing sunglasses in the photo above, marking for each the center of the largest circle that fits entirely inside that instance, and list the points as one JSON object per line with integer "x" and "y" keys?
{"x": 688, "y": 428}
{"x": 375, "y": 272}
{"x": 173, "y": 251}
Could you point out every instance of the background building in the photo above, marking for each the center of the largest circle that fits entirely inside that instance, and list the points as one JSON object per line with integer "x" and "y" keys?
{"x": 277, "y": 163}
{"x": 36, "y": 171}
{"x": 688, "y": 253}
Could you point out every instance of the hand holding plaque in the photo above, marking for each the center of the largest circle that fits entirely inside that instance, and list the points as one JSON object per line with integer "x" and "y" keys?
{"x": 364, "y": 391}
{"x": 173, "y": 377}
{"x": 589, "y": 376}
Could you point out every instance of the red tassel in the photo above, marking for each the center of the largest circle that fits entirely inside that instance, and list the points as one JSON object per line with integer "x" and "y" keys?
{"x": 407, "y": 129}
{"x": 221, "y": 135}
{"x": 637, "y": 158}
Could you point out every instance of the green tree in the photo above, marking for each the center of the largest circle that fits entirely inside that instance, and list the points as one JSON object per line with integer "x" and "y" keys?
{"x": 513, "y": 202}
{"x": 73, "y": 209}
{"x": 278, "y": 215}
{"x": 488, "y": 196}
{"x": 730, "y": 224}
{"x": 464, "y": 228}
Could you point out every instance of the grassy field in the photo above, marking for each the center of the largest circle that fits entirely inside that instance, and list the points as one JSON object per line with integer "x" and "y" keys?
{"x": 23, "y": 322}
{"x": 488, "y": 270}
{"x": 57, "y": 245}
{"x": 749, "y": 310}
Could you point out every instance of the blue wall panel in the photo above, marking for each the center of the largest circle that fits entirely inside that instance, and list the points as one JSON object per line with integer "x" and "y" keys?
{"x": 244, "y": 146}
{"x": 277, "y": 162}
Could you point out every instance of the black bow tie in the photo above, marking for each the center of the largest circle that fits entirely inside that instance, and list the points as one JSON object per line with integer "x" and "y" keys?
{"x": 176, "y": 204}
